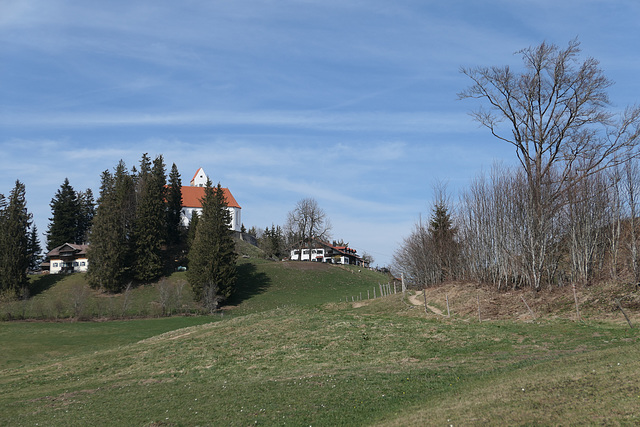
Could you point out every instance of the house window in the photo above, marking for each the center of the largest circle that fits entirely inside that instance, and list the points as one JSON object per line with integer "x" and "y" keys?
{"x": 55, "y": 264}
{"x": 82, "y": 264}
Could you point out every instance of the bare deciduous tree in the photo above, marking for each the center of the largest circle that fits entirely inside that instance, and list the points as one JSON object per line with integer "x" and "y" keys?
{"x": 307, "y": 221}
{"x": 631, "y": 187}
{"x": 557, "y": 119}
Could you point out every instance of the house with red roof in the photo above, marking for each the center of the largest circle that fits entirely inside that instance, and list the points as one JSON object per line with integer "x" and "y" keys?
{"x": 193, "y": 194}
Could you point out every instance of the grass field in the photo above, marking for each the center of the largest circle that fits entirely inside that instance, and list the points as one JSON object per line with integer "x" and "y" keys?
{"x": 290, "y": 353}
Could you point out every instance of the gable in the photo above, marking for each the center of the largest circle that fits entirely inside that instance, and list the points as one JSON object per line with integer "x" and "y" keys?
{"x": 199, "y": 179}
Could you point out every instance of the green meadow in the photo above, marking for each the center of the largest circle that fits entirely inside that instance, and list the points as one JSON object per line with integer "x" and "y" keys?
{"x": 293, "y": 349}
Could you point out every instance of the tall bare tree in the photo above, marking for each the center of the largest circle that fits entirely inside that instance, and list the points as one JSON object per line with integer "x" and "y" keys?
{"x": 308, "y": 221}
{"x": 555, "y": 114}
{"x": 631, "y": 186}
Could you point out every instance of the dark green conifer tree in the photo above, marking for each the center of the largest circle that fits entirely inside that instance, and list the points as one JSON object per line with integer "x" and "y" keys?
{"x": 65, "y": 209}
{"x": 443, "y": 241}
{"x": 150, "y": 226}
{"x": 14, "y": 242}
{"x": 110, "y": 251}
{"x": 174, "y": 206}
{"x": 34, "y": 248}
{"x": 87, "y": 212}
{"x": 212, "y": 256}
{"x": 193, "y": 226}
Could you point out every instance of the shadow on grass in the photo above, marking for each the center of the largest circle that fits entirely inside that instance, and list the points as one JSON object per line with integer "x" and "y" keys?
{"x": 250, "y": 282}
{"x": 43, "y": 282}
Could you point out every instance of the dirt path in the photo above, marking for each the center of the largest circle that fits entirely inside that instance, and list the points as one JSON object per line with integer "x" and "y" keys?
{"x": 418, "y": 299}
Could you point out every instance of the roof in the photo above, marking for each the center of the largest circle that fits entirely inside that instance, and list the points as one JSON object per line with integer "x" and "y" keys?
{"x": 66, "y": 248}
{"x": 192, "y": 197}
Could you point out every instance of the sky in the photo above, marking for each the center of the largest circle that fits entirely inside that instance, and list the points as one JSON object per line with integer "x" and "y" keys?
{"x": 353, "y": 103}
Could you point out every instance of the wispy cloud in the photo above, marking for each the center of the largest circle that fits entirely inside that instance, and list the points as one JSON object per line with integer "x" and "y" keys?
{"x": 420, "y": 121}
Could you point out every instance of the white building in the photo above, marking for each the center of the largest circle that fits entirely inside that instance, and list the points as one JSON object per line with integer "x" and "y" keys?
{"x": 67, "y": 258}
{"x": 192, "y": 201}
{"x": 324, "y": 252}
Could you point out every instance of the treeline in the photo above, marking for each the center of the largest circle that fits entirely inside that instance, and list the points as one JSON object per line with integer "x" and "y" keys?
{"x": 19, "y": 244}
{"x": 591, "y": 233}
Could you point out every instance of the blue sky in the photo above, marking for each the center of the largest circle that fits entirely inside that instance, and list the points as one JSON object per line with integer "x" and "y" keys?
{"x": 353, "y": 103}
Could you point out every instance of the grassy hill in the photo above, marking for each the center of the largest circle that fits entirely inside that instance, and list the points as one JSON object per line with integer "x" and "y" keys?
{"x": 291, "y": 351}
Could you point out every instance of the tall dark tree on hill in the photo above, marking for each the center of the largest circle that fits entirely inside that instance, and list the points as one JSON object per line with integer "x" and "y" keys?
{"x": 193, "y": 226}
{"x": 34, "y": 248}
{"x": 150, "y": 224}
{"x": 65, "y": 209}
{"x": 443, "y": 241}
{"x": 272, "y": 241}
{"x": 87, "y": 212}
{"x": 212, "y": 256}
{"x": 14, "y": 241}
{"x": 110, "y": 252}
{"x": 174, "y": 206}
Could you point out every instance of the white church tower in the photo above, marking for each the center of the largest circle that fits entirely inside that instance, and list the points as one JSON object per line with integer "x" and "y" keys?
{"x": 199, "y": 179}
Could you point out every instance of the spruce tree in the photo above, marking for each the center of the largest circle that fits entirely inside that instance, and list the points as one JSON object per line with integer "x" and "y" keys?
{"x": 110, "y": 251}
{"x": 86, "y": 214}
{"x": 443, "y": 238}
{"x": 14, "y": 247}
{"x": 150, "y": 226}
{"x": 212, "y": 256}
{"x": 65, "y": 210}
{"x": 34, "y": 248}
{"x": 174, "y": 206}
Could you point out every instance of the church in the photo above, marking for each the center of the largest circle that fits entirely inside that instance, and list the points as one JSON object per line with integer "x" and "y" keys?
{"x": 193, "y": 194}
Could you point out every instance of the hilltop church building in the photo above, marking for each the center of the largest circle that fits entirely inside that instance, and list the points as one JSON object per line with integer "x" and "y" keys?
{"x": 193, "y": 194}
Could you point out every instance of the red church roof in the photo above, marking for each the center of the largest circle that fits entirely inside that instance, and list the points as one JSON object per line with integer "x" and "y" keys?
{"x": 192, "y": 197}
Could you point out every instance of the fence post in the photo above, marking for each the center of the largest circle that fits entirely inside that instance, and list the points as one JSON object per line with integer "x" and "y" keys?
{"x": 424, "y": 294}
{"x": 625, "y": 314}
{"x": 447, "y": 298}
{"x": 575, "y": 297}
{"x": 530, "y": 311}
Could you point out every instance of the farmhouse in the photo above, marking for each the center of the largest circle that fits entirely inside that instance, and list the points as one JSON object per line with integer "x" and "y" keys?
{"x": 324, "y": 252}
{"x": 193, "y": 194}
{"x": 67, "y": 258}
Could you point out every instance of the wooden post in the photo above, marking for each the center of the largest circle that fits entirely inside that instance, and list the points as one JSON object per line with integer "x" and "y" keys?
{"x": 625, "y": 314}
{"x": 424, "y": 293}
{"x": 404, "y": 287}
{"x": 478, "y": 298}
{"x": 374, "y": 293}
{"x": 530, "y": 311}
{"x": 368, "y": 294}
{"x": 447, "y": 298}
{"x": 381, "y": 290}
{"x": 575, "y": 297}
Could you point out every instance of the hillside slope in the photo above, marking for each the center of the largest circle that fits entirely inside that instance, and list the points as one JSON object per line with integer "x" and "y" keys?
{"x": 383, "y": 362}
